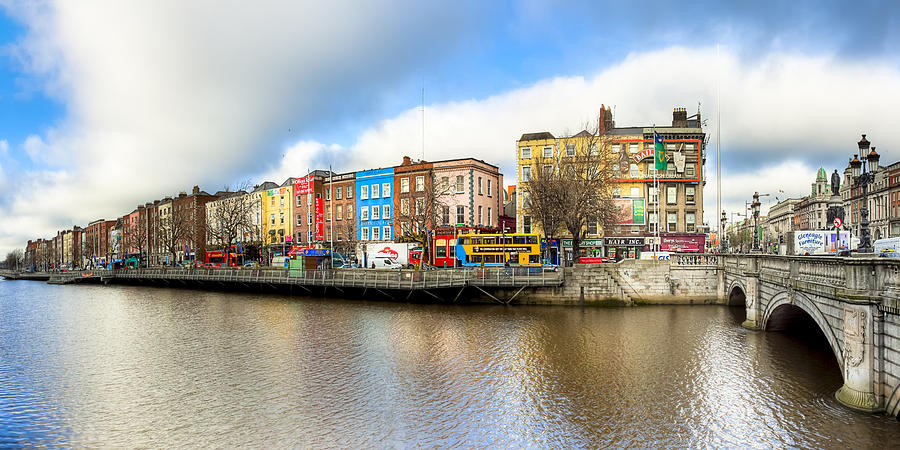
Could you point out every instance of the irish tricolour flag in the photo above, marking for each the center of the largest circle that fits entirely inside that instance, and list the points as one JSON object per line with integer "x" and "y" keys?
{"x": 659, "y": 151}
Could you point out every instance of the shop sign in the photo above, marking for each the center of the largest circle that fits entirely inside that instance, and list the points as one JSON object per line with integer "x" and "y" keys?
{"x": 624, "y": 241}
{"x": 584, "y": 243}
{"x": 685, "y": 244}
{"x": 316, "y": 252}
{"x": 647, "y": 153}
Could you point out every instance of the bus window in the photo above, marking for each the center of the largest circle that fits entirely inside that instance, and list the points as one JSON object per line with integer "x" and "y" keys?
{"x": 534, "y": 259}
{"x": 519, "y": 239}
{"x": 440, "y": 248}
{"x": 532, "y": 239}
{"x": 451, "y": 249}
{"x": 489, "y": 241}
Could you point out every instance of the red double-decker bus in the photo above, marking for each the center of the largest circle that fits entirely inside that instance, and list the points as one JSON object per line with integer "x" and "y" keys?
{"x": 220, "y": 258}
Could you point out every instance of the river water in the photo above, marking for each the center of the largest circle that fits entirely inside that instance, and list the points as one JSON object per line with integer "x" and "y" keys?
{"x": 120, "y": 366}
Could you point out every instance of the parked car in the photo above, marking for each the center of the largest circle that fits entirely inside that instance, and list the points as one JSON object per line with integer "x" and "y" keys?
{"x": 251, "y": 264}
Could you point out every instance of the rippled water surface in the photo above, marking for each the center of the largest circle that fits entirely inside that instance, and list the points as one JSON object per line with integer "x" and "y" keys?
{"x": 144, "y": 367}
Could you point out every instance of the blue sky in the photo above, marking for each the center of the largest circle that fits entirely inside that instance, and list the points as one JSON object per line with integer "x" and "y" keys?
{"x": 104, "y": 105}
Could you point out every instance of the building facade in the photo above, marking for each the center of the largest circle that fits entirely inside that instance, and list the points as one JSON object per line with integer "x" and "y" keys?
{"x": 375, "y": 204}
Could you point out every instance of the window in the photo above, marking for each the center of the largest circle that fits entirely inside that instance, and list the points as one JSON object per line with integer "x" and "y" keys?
{"x": 671, "y": 194}
{"x": 282, "y": 217}
{"x": 445, "y": 184}
{"x": 526, "y": 173}
{"x": 672, "y": 219}
{"x": 689, "y": 222}
{"x": 635, "y": 192}
{"x": 459, "y": 184}
{"x": 480, "y": 190}
{"x": 386, "y": 190}
{"x": 689, "y": 146}
{"x": 364, "y": 213}
{"x": 349, "y": 211}
{"x": 420, "y": 206}
{"x": 670, "y": 170}
{"x": 309, "y": 199}
{"x": 280, "y": 197}
{"x": 615, "y": 148}
{"x": 445, "y": 215}
{"x": 670, "y": 147}
{"x": 633, "y": 147}
{"x": 592, "y": 228}
{"x": 460, "y": 214}
{"x": 404, "y": 185}
{"x": 526, "y": 152}
{"x": 309, "y": 218}
{"x": 385, "y": 211}
{"x": 327, "y": 193}
{"x": 617, "y": 192}
{"x": 689, "y": 170}
{"x": 548, "y": 152}
{"x": 364, "y": 193}
{"x": 570, "y": 150}
{"x": 546, "y": 170}
{"x": 652, "y": 221}
{"x": 479, "y": 215}
{"x": 350, "y": 193}
{"x": 375, "y": 233}
{"x": 490, "y": 192}
{"x": 272, "y": 218}
{"x": 404, "y": 206}
{"x": 633, "y": 170}
{"x": 340, "y": 212}
{"x": 328, "y": 213}
{"x": 365, "y": 234}
{"x": 490, "y": 218}
{"x": 338, "y": 194}
{"x": 374, "y": 191}
{"x": 689, "y": 194}
{"x": 654, "y": 194}
{"x": 386, "y": 232}
{"x": 375, "y": 212}
{"x": 526, "y": 224}
{"x": 299, "y": 219}
{"x": 420, "y": 183}
{"x": 298, "y": 200}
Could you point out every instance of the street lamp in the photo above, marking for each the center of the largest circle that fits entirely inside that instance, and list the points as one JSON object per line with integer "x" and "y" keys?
{"x": 755, "y": 206}
{"x": 863, "y": 178}
{"x": 722, "y": 232}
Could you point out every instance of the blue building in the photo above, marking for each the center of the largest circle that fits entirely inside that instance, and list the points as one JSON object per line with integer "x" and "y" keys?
{"x": 375, "y": 205}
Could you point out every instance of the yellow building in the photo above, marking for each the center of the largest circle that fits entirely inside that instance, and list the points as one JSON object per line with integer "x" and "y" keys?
{"x": 277, "y": 214}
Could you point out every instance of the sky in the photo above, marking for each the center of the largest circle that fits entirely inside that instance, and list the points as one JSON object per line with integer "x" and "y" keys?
{"x": 106, "y": 105}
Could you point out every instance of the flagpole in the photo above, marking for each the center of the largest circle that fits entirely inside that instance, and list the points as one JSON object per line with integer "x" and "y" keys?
{"x": 718, "y": 149}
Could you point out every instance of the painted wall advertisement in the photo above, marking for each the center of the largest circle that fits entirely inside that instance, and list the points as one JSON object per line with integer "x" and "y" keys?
{"x": 683, "y": 243}
{"x": 629, "y": 211}
{"x": 278, "y": 191}
{"x": 303, "y": 185}
{"x": 320, "y": 220}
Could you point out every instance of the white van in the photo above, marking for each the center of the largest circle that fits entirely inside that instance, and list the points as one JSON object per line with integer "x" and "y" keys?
{"x": 888, "y": 247}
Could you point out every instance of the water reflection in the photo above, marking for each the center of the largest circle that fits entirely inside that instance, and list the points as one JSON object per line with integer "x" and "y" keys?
{"x": 134, "y": 367}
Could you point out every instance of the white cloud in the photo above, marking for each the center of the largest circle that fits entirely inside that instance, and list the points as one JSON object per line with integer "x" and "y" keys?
{"x": 4, "y": 147}
{"x": 783, "y": 116}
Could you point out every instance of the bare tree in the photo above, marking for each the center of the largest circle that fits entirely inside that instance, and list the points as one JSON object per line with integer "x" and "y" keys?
{"x": 136, "y": 236}
{"x": 572, "y": 189}
{"x": 229, "y": 218}
{"x": 15, "y": 260}
{"x": 174, "y": 228}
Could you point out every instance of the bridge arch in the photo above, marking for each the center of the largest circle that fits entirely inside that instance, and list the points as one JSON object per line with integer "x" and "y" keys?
{"x": 737, "y": 294}
{"x": 809, "y": 307}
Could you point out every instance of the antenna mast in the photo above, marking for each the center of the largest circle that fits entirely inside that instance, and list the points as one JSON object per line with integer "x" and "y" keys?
{"x": 718, "y": 151}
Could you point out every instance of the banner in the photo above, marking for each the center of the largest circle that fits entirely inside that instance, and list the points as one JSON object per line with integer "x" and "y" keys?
{"x": 303, "y": 185}
{"x": 320, "y": 220}
{"x": 683, "y": 243}
{"x": 629, "y": 211}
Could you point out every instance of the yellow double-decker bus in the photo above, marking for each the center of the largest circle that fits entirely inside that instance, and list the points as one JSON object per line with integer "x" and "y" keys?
{"x": 519, "y": 249}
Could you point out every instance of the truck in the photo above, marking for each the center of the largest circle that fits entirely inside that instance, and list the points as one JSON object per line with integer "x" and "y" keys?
{"x": 888, "y": 247}
{"x": 818, "y": 242}
{"x": 384, "y": 254}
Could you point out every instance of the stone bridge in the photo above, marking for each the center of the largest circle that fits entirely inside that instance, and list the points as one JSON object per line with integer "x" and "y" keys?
{"x": 854, "y": 301}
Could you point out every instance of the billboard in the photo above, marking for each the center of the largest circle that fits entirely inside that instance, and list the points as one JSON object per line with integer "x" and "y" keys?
{"x": 685, "y": 243}
{"x": 629, "y": 211}
{"x": 303, "y": 185}
{"x": 320, "y": 219}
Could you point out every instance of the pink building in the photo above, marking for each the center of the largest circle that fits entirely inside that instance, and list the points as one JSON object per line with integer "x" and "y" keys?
{"x": 470, "y": 191}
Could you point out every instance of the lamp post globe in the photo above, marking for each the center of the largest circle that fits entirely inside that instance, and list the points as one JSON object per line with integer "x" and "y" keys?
{"x": 863, "y": 169}
{"x": 755, "y": 207}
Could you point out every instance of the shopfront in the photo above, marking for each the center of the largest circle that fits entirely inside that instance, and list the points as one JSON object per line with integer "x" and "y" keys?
{"x": 619, "y": 248}
{"x": 589, "y": 248}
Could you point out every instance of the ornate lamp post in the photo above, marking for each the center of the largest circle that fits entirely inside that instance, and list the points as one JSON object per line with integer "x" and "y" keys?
{"x": 722, "y": 232}
{"x": 862, "y": 178}
{"x": 755, "y": 205}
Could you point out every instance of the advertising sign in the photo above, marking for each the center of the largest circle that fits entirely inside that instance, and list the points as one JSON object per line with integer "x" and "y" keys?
{"x": 629, "y": 211}
{"x": 298, "y": 249}
{"x": 683, "y": 243}
{"x": 317, "y": 252}
{"x": 647, "y": 153}
{"x": 624, "y": 241}
{"x": 320, "y": 219}
{"x": 303, "y": 185}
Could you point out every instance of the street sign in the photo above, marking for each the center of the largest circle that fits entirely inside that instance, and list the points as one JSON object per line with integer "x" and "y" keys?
{"x": 837, "y": 222}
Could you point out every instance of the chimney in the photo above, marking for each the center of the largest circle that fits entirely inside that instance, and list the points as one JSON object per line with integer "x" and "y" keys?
{"x": 679, "y": 118}
{"x": 406, "y": 161}
{"x": 196, "y": 190}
